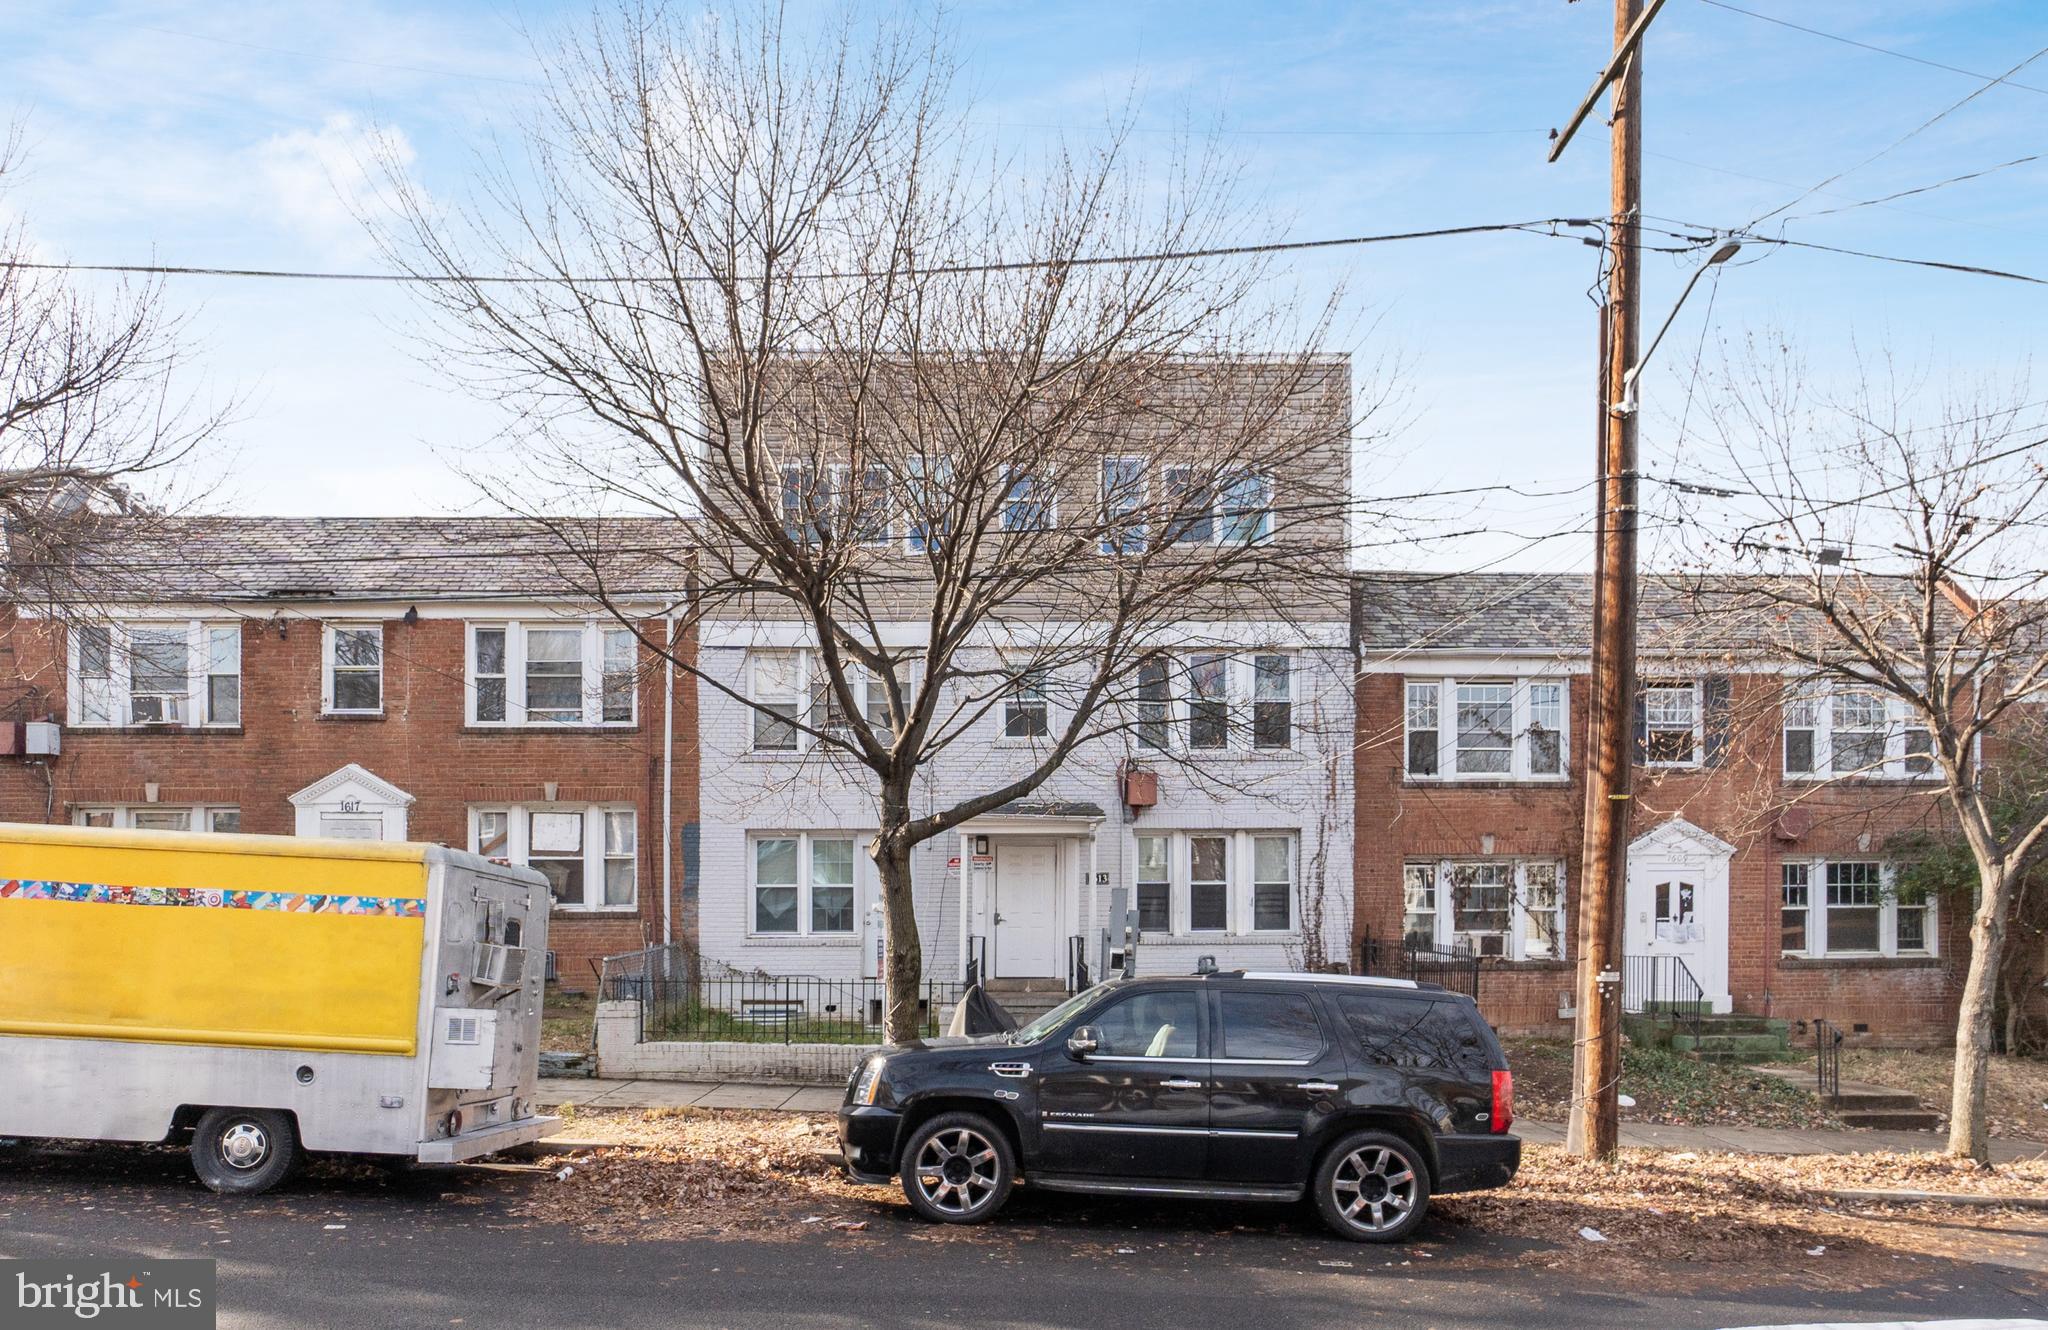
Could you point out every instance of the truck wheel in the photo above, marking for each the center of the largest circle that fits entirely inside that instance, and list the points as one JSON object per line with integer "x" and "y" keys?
{"x": 958, "y": 1169}
{"x": 242, "y": 1151}
{"x": 1372, "y": 1186}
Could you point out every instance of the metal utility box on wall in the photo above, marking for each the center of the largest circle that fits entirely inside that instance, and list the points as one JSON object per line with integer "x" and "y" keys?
{"x": 42, "y": 738}
{"x": 1141, "y": 789}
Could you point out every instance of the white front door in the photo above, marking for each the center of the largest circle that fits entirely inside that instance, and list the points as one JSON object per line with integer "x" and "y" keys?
{"x": 1026, "y": 923}
{"x": 1677, "y": 906}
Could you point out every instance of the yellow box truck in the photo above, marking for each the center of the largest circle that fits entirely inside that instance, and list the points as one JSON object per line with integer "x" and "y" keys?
{"x": 268, "y": 995}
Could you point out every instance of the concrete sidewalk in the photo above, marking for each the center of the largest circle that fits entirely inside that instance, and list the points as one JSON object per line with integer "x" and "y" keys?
{"x": 596, "y": 1094}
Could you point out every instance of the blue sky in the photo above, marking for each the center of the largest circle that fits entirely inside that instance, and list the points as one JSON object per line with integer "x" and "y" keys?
{"x": 218, "y": 134}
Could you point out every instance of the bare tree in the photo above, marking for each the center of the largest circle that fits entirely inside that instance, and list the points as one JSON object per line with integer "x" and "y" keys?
{"x": 1902, "y": 560}
{"x": 769, "y": 287}
{"x": 90, "y": 424}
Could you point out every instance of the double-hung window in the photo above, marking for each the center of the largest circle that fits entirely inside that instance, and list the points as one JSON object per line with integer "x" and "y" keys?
{"x": 353, "y": 662}
{"x": 179, "y": 673}
{"x": 1671, "y": 724}
{"x": 1208, "y": 701}
{"x": 590, "y": 854}
{"x": 874, "y": 519}
{"x": 1123, "y": 499}
{"x": 1212, "y": 701}
{"x": 1513, "y": 909}
{"x": 1246, "y": 509}
{"x": 1851, "y": 907}
{"x": 159, "y": 817}
{"x": 1025, "y": 714}
{"x": 551, "y": 672}
{"x": 791, "y": 696}
{"x": 1190, "y": 506}
{"x": 1485, "y": 729}
{"x": 1028, "y": 505}
{"x": 1837, "y": 730}
{"x": 809, "y": 500}
{"x": 804, "y": 884}
{"x": 1216, "y": 882}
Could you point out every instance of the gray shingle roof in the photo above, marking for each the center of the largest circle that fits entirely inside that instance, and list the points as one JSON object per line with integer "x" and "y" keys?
{"x": 1515, "y": 612}
{"x": 212, "y": 559}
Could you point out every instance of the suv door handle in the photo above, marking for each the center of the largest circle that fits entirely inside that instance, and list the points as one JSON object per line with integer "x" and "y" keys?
{"x": 1319, "y": 1087}
{"x": 1178, "y": 1084}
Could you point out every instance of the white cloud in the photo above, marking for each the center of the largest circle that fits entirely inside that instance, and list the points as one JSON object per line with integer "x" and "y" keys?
{"x": 321, "y": 183}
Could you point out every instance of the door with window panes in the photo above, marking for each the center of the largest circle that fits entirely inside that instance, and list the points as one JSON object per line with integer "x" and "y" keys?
{"x": 1677, "y": 907}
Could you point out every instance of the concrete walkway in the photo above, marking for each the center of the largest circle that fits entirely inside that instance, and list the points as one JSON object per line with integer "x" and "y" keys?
{"x": 596, "y": 1094}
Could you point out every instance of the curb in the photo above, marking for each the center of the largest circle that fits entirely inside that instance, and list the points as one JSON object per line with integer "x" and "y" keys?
{"x": 1940, "y": 1198}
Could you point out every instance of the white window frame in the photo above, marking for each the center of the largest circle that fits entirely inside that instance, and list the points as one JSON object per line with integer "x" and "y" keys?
{"x": 328, "y": 635}
{"x": 1698, "y": 726}
{"x": 1818, "y": 911}
{"x": 115, "y": 692}
{"x": 804, "y": 884}
{"x": 1240, "y": 868}
{"x": 1180, "y": 477}
{"x": 1030, "y": 690}
{"x": 1043, "y": 494}
{"x": 203, "y": 817}
{"x": 810, "y": 694}
{"x": 1520, "y": 762}
{"x": 519, "y": 843}
{"x": 1515, "y": 948}
{"x": 1900, "y": 722}
{"x": 792, "y": 476}
{"x": 1240, "y": 698}
{"x": 591, "y": 682}
{"x": 1137, "y": 537}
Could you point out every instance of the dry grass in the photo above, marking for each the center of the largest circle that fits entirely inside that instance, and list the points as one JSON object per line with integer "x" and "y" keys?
{"x": 687, "y": 1172}
{"x": 566, "y": 1022}
{"x": 1667, "y": 1088}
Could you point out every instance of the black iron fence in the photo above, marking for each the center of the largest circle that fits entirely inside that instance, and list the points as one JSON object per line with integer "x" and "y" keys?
{"x": 1827, "y": 1059}
{"x": 1663, "y": 986}
{"x": 1405, "y": 959}
{"x": 1077, "y": 963}
{"x": 680, "y": 1001}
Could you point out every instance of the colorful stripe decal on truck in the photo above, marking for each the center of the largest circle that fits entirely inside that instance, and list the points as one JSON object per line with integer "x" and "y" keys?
{"x": 290, "y": 902}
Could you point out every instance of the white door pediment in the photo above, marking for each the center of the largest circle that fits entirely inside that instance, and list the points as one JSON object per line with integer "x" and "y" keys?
{"x": 351, "y": 803}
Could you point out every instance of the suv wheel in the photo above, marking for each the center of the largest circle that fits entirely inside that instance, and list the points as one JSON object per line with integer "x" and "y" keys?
{"x": 958, "y": 1169}
{"x": 241, "y": 1151}
{"x": 1372, "y": 1186}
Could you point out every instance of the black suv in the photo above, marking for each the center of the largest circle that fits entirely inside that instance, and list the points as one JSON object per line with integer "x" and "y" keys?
{"x": 1371, "y": 1095}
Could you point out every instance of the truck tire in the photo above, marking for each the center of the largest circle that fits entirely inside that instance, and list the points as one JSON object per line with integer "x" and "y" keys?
{"x": 958, "y": 1169}
{"x": 1372, "y": 1186}
{"x": 242, "y": 1151}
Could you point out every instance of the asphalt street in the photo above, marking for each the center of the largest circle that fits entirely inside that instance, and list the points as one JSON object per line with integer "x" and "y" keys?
{"x": 359, "y": 1248}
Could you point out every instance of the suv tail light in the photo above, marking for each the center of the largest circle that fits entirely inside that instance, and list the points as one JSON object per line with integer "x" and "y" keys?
{"x": 1503, "y": 1115}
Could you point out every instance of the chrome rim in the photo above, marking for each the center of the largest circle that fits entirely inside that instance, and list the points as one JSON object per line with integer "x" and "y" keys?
{"x": 1375, "y": 1188}
{"x": 957, "y": 1170}
{"x": 244, "y": 1145}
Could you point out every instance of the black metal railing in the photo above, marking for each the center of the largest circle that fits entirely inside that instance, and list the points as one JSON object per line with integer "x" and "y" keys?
{"x": 1827, "y": 1059}
{"x": 1664, "y": 986}
{"x": 977, "y": 959}
{"x": 1408, "y": 959}
{"x": 1077, "y": 963}
{"x": 680, "y": 1001}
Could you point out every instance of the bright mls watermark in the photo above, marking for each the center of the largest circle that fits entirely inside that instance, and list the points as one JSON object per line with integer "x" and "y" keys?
{"x": 160, "y": 1295}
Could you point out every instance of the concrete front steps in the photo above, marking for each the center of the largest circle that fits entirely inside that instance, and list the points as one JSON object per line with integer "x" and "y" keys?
{"x": 1027, "y": 999}
{"x": 1861, "y": 1104}
{"x": 1726, "y": 1037}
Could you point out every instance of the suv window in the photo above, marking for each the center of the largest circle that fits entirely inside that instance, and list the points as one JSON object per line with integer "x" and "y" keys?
{"x": 1398, "y": 1033}
{"x": 1270, "y": 1027}
{"x": 1150, "y": 1025}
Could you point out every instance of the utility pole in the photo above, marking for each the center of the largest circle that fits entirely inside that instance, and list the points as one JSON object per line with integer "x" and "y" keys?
{"x": 1594, "y": 1128}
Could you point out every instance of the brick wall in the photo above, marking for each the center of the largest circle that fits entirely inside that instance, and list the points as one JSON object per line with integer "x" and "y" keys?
{"x": 1742, "y": 800}
{"x": 419, "y": 744}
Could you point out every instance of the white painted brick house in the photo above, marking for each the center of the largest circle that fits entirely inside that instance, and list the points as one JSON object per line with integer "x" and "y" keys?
{"x": 1246, "y": 855}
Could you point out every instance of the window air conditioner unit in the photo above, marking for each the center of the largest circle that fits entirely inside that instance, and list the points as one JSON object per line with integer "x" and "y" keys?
{"x": 157, "y": 708}
{"x": 498, "y": 967}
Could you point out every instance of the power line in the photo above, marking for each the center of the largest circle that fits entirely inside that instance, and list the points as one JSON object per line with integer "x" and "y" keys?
{"x": 1975, "y": 270}
{"x": 1534, "y": 227}
{"x": 1920, "y": 189}
{"x": 1867, "y": 46}
{"x": 1910, "y": 134}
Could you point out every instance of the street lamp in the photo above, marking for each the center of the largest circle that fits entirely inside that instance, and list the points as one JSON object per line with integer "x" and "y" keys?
{"x": 1627, "y": 405}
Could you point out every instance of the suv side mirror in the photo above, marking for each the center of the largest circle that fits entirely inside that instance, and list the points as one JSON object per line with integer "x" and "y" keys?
{"x": 1083, "y": 1041}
